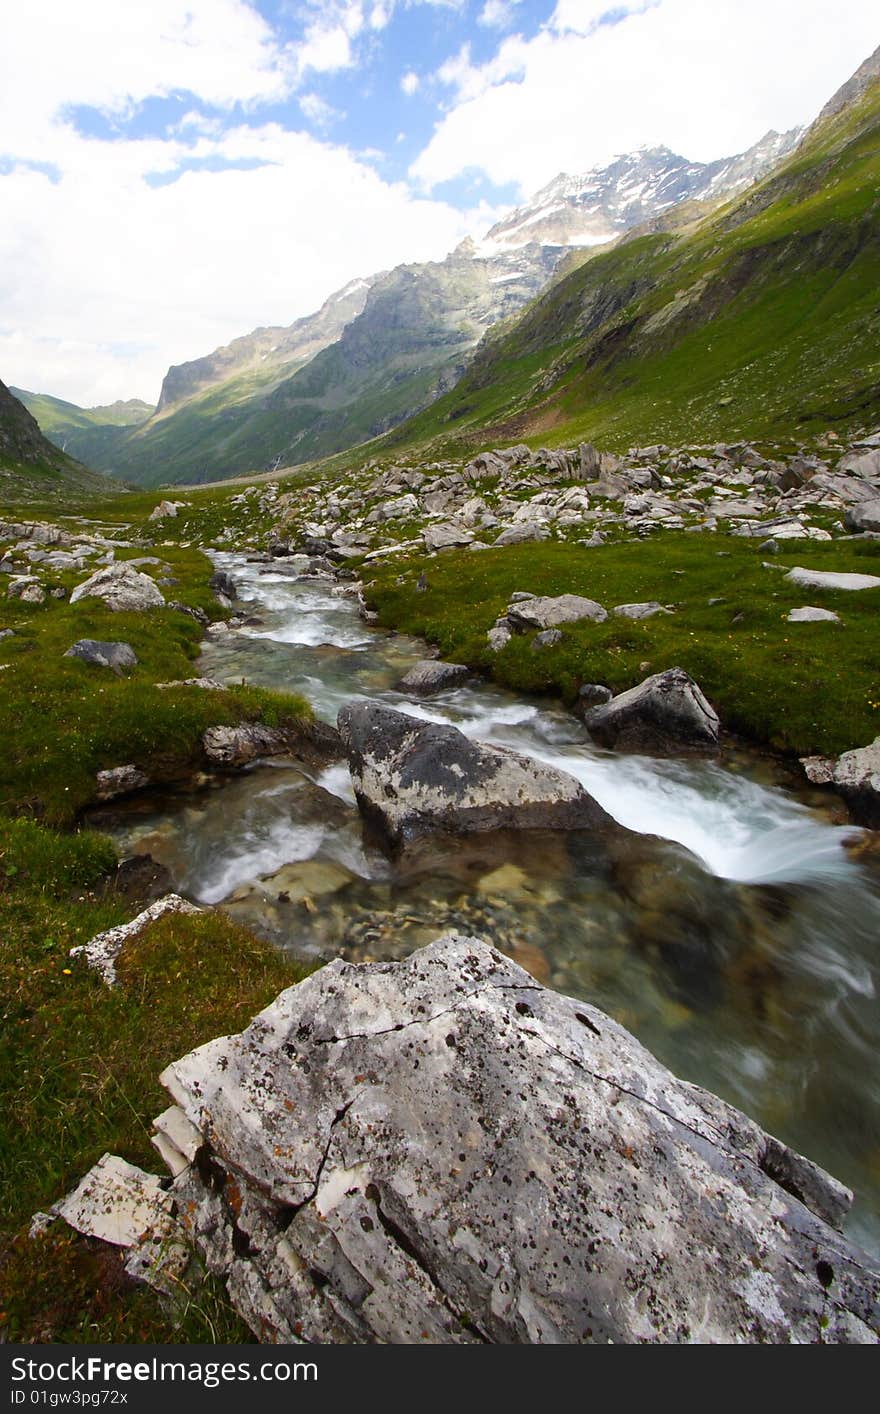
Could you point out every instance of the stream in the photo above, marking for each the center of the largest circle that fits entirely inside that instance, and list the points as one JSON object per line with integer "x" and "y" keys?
{"x": 752, "y": 972}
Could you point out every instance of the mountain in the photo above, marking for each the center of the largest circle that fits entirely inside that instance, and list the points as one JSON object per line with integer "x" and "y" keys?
{"x": 596, "y": 206}
{"x": 383, "y": 348}
{"x": 761, "y": 317}
{"x": 30, "y": 465}
{"x": 211, "y": 418}
{"x": 88, "y": 434}
{"x": 257, "y": 361}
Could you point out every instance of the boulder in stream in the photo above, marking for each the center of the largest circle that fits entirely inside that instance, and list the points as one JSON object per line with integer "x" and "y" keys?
{"x": 232, "y": 747}
{"x": 414, "y": 778}
{"x": 433, "y": 675}
{"x": 665, "y": 714}
{"x": 443, "y": 1151}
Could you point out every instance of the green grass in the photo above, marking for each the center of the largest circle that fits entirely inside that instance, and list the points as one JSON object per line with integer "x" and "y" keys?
{"x": 797, "y": 688}
{"x": 63, "y": 720}
{"x": 78, "y": 1074}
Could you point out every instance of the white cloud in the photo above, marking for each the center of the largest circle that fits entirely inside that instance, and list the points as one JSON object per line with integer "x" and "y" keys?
{"x": 498, "y": 14}
{"x": 318, "y": 110}
{"x": 705, "y": 79}
{"x": 106, "y": 279}
{"x": 409, "y": 83}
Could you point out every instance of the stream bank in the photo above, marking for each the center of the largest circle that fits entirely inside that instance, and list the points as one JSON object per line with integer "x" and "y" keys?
{"x": 754, "y": 975}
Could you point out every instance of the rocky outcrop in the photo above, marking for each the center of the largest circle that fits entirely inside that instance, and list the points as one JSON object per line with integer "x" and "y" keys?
{"x": 442, "y": 1151}
{"x": 433, "y": 675}
{"x": 103, "y": 655}
{"x": 122, "y": 589}
{"x": 665, "y": 714}
{"x": 414, "y": 778}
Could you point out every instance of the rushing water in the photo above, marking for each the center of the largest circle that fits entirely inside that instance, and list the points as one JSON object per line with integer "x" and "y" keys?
{"x": 752, "y": 972}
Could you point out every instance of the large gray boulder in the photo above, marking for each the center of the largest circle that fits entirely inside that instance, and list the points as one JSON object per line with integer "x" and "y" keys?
{"x": 865, "y": 515}
{"x": 549, "y": 612}
{"x": 414, "y": 778}
{"x": 431, "y": 675}
{"x": 442, "y": 1151}
{"x": 122, "y": 589}
{"x": 103, "y": 655}
{"x": 665, "y": 714}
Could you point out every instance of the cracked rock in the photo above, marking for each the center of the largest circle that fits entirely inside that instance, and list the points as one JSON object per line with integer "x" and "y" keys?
{"x": 440, "y": 1150}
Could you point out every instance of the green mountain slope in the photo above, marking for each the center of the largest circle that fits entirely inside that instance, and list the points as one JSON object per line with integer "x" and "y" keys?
{"x": 762, "y": 319}
{"x": 88, "y": 434}
{"x": 376, "y": 353}
{"x": 32, "y": 467}
{"x": 212, "y": 420}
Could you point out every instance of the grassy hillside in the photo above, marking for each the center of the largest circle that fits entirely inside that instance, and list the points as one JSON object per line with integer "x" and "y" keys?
{"x": 87, "y": 434}
{"x": 31, "y": 467}
{"x": 761, "y": 321}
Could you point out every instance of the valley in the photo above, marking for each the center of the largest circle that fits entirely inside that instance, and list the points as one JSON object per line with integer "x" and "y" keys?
{"x": 475, "y": 681}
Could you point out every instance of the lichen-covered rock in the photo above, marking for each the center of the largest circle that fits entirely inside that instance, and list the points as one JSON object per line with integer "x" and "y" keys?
{"x": 433, "y": 675}
{"x": 666, "y": 713}
{"x": 414, "y": 778}
{"x": 102, "y": 951}
{"x": 440, "y": 1150}
{"x": 122, "y": 589}
{"x": 545, "y": 612}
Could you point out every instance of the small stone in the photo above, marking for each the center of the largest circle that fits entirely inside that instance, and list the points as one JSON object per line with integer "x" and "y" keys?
{"x": 811, "y": 615}
{"x": 548, "y": 639}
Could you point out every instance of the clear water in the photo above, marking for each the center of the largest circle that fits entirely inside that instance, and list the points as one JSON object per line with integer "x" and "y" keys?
{"x": 749, "y": 965}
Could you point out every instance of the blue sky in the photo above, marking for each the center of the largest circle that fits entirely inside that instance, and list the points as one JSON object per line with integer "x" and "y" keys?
{"x": 175, "y": 172}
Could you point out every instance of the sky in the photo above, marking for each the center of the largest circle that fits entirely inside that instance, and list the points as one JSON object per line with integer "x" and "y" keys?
{"x": 174, "y": 173}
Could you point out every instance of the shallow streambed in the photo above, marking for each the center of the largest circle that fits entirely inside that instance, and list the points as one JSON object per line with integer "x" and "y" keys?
{"x": 753, "y": 974}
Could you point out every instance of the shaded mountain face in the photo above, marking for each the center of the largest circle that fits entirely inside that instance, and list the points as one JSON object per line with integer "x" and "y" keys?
{"x": 596, "y": 206}
{"x": 265, "y": 355}
{"x": 31, "y": 465}
{"x": 759, "y": 319}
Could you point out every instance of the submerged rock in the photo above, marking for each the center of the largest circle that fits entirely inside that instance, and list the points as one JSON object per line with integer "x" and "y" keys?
{"x": 121, "y": 588}
{"x": 442, "y": 1151}
{"x": 413, "y": 778}
{"x": 666, "y": 713}
{"x": 433, "y": 675}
